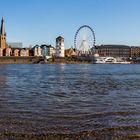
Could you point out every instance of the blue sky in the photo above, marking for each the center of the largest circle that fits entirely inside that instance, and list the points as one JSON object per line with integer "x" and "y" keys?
{"x": 41, "y": 21}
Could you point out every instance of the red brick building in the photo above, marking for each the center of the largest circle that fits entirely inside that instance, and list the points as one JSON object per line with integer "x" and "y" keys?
{"x": 24, "y": 52}
{"x": 16, "y": 52}
{"x": 8, "y": 51}
{"x": 1, "y": 52}
{"x": 114, "y": 51}
{"x": 135, "y": 52}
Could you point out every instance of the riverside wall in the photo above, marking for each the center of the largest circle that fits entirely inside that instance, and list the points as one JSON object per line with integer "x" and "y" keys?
{"x": 20, "y": 60}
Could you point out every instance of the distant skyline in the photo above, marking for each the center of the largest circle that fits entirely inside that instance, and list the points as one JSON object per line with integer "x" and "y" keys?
{"x": 41, "y": 21}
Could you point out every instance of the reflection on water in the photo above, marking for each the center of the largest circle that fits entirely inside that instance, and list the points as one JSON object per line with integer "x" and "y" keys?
{"x": 70, "y": 101}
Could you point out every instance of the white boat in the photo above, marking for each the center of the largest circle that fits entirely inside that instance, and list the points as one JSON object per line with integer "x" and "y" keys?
{"x": 108, "y": 60}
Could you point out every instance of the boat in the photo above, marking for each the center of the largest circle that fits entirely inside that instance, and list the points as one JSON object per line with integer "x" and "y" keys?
{"x": 109, "y": 60}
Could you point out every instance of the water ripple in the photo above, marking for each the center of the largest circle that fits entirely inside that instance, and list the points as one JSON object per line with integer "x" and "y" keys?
{"x": 70, "y": 102}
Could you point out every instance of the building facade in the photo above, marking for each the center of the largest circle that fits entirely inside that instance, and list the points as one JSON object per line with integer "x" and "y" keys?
{"x": 1, "y": 52}
{"x": 47, "y": 50}
{"x": 60, "y": 47}
{"x": 8, "y": 51}
{"x": 16, "y": 52}
{"x": 121, "y": 51}
{"x": 37, "y": 51}
{"x": 24, "y": 52}
{"x": 135, "y": 52}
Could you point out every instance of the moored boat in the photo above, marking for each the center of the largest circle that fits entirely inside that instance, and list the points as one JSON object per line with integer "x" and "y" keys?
{"x": 109, "y": 60}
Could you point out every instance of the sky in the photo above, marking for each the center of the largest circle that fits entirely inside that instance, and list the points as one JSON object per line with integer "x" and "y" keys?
{"x": 41, "y": 21}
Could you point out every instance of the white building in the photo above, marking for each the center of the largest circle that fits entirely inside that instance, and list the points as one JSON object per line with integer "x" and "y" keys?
{"x": 48, "y": 51}
{"x": 37, "y": 51}
{"x": 60, "y": 48}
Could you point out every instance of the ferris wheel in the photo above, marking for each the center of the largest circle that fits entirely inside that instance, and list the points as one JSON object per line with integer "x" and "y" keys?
{"x": 84, "y": 40}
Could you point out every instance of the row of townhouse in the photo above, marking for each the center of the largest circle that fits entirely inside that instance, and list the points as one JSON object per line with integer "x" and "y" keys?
{"x": 49, "y": 51}
{"x": 44, "y": 51}
{"x": 23, "y": 52}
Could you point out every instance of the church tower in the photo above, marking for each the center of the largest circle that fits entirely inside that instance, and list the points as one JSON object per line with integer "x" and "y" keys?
{"x": 2, "y": 35}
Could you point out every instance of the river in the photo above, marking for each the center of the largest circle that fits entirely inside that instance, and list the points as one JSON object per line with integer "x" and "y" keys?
{"x": 83, "y": 102}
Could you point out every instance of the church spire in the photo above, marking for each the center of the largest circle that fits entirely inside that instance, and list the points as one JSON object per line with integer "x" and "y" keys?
{"x": 2, "y": 27}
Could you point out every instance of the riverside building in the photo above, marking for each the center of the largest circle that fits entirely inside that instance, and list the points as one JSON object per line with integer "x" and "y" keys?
{"x": 37, "y": 51}
{"x": 60, "y": 48}
{"x": 120, "y": 51}
{"x": 135, "y": 52}
{"x": 47, "y": 50}
{"x": 44, "y": 51}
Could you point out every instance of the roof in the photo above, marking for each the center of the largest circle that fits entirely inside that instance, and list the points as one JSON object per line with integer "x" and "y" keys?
{"x": 20, "y": 49}
{"x": 60, "y": 37}
{"x": 48, "y": 46}
{"x": 2, "y": 31}
{"x": 70, "y": 52}
{"x": 43, "y": 45}
{"x": 135, "y": 47}
{"x": 113, "y": 46}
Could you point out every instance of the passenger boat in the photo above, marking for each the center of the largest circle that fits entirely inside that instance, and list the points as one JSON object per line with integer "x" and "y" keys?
{"x": 108, "y": 60}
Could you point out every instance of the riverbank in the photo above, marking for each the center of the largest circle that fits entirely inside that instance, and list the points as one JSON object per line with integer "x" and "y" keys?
{"x": 20, "y": 60}
{"x": 68, "y": 62}
{"x": 117, "y": 133}
{"x": 41, "y": 60}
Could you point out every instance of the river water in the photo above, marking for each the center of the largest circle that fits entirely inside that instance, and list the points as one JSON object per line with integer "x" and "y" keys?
{"x": 83, "y": 102}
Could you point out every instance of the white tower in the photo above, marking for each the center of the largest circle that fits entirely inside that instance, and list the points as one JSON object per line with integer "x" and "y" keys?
{"x": 60, "y": 48}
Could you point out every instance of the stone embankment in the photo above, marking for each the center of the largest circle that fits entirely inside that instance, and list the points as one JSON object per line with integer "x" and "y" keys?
{"x": 20, "y": 60}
